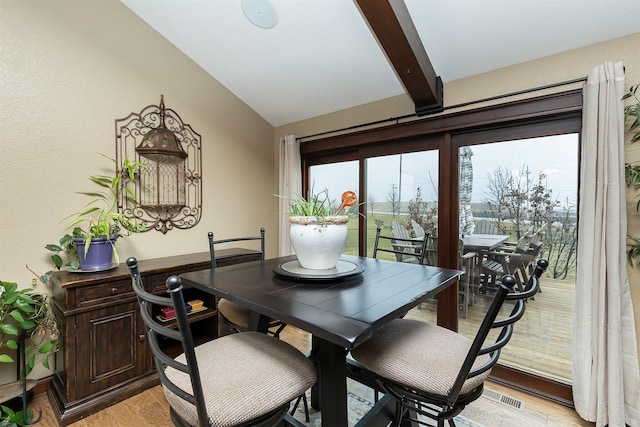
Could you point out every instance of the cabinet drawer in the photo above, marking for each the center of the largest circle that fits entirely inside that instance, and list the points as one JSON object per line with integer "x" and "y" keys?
{"x": 103, "y": 293}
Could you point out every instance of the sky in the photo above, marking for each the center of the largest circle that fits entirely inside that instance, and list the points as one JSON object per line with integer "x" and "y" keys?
{"x": 555, "y": 156}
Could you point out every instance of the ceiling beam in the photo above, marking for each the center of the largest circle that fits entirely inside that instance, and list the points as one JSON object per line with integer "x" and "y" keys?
{"x": 391, "y": 24}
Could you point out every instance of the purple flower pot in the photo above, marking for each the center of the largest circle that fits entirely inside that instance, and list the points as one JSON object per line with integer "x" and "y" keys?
{"x": 100, "y": 253}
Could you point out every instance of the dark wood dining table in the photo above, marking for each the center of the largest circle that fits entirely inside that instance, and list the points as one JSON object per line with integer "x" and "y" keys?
{"x": 341, "y": 310}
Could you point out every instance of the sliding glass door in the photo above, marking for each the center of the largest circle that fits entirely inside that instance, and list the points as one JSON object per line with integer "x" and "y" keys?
{"x": 522, "y": 175}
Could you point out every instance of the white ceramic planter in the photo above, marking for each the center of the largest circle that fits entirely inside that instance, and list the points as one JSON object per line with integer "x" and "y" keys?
{"x": 318, "y": 242}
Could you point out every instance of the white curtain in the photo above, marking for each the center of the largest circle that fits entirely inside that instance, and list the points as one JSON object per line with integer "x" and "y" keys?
{"x": 606, "y": 376}
{"x": 290, "y": 185}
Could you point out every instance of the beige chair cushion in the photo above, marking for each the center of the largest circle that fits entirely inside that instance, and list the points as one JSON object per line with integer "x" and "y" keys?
{"x": 419, "y": 355}
{"x": 234, "y": 313}
{"x": 244, "y": 376}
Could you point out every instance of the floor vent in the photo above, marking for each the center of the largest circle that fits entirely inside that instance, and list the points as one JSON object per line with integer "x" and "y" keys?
{"x": 504, "y": 399}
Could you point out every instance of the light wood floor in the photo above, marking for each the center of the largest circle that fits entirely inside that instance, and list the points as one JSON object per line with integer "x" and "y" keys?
{"x": 150, "y": 409}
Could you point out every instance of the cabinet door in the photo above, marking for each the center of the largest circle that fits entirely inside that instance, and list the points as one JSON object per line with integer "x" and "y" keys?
{"x": 110, "y": 348}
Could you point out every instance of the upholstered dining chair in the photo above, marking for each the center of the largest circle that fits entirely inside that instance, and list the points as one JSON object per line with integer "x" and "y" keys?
{"x": 435, "y": 372}
{"x": 234, "y": 317}
{"x": 247, "y": 378}
{"x": 405, "y": 249}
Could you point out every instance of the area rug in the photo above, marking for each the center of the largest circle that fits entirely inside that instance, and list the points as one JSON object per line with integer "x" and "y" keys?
{"x": 359, "y": 400}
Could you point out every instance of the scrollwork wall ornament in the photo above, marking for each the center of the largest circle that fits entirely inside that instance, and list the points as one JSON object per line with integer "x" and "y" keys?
{"x": 168, "y": 190}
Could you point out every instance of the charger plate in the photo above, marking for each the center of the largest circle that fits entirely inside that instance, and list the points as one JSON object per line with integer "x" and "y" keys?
{"x": 293, "y": 270}
{"x": 95, "y": 270}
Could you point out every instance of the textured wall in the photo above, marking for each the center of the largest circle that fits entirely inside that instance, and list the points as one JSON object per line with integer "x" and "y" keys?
{"x": 68, "y": 70}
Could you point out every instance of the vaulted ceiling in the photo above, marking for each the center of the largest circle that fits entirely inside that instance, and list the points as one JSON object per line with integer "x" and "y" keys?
{"x": 327, "y": 55}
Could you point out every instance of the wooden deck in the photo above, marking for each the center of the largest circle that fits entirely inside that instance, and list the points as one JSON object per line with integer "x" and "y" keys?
{"x": 542, "y": 339}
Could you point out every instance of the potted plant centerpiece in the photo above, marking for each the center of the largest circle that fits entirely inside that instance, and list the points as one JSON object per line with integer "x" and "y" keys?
{"x": 91, "y": 244}
{"x": 318, "y": 233}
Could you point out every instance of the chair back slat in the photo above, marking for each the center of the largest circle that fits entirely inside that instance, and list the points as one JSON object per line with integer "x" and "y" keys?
{"x": 417, "y": 229}
{"x": 213, "y": 243}
{"x": 484, "y": 226}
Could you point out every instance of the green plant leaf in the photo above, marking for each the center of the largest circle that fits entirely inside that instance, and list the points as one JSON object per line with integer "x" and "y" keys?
{"x": 53, "y": 248}
{"x": 28, "y": 325}
{"x": 7, "y": 410}
{"x": 46, "y": 347}
{"x": 17, "y": 315}
{"x": 12, "y": 344}
{"x": 5, "y": 358}
{"x": 9, "y": 329}
{"x": 9, "y": 286}
{"x": 57, "y": 261}
{"x": 31, "y": 362}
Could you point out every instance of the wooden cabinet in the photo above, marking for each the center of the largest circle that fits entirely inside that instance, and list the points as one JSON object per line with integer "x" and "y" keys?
{"x": 104, "y": 356}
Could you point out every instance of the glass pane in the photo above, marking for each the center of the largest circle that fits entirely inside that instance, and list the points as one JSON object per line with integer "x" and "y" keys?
{"x": 522, "y": 193}
{"x": 401, "y": 188}
{"x": 338, "y": 178}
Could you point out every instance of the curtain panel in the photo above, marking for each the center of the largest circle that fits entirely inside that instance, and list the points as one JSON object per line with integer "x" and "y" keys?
{"x": 289, "y": 186}
{"x": 606, "y": 375}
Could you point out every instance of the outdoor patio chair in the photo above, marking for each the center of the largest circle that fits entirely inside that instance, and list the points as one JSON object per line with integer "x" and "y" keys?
{"x": 400, "y": 231}
{"x": 506, "y": 259}
{"x": 404, "y": 249}
{"x": 418, "y": 231}
{"x": 484, "y": 226}
{"x": 467, "y": 262}
{"x": 441, "y": 371}
{"x": 223, "y": 381}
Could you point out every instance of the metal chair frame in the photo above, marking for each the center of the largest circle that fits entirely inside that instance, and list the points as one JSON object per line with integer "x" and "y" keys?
{"x": 157, "y": 332}
{"x": 445, "y": 407}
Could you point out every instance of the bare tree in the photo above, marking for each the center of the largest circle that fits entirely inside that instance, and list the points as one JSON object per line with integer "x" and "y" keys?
{"x": 393, "y": 198}
{"x": 371, "y": 201}
{"x": 516, "y": 204}
{"x": 506, "y": 199}
{"x": 560, "y": 243}
{"x": 541, "y": 205}
{"x": 420, "y": 212}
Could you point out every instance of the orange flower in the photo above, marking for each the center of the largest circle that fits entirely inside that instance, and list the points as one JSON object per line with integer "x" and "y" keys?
{"x": 348, "y": 199}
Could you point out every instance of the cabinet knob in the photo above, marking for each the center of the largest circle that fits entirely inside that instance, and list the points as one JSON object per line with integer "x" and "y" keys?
{"x": 141, "y": 337}
{"x": 114, "y": 291}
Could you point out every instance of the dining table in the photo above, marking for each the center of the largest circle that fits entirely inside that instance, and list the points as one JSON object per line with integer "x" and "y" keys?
{"x": 483, "y": 242}
{"x": 341, "y": 307}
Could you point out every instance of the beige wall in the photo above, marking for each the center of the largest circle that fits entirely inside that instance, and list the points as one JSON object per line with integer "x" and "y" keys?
{"x": 552, "y": 69}
{"x": 68, "y": 70}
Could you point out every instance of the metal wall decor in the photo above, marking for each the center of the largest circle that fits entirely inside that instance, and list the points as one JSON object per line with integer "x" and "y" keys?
{"x": 168, "y": 189}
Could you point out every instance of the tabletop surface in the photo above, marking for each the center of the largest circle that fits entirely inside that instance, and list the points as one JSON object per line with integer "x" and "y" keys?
{"x": 343, "y": 311}
{"x": 483, "y": 241}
